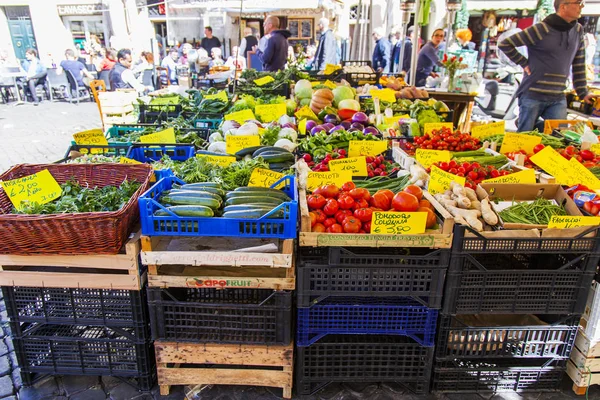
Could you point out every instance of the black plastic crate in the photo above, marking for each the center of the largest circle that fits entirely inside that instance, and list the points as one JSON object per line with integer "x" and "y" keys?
{"x": 468, "y": 241}
{"x": 480, "y": 337}
{"x": 392, "y": 272}
{"x": 111, "y": 307}
{"x": 251, "y": 316}
{"x": 151, "y": 113}
{"x": 281, "y": 90}
{"x": 83, "y": 350}
{"x": 518, "y": 283}
{"x": 537, "y": 375}
{"x": 363, "y": 358}
{"x": 143, "y": 383}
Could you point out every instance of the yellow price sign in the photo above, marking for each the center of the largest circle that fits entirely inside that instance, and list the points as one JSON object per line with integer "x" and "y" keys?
{"x": 318, "y": 179}
{"x": 125, "y": 160}
{"x": 357, "y": 165}
{"x": 270, "y": 112}
{"x": 92, "y": 136}
{"x": 166, "y": 136}
{"x": 595, "y": 148}
{"x": 221, "y": 161}
{"x": 240, "y": 116}
{"x": 222, "y": 95}
{"x": 439, "y": 180}
{"x": 367, "y": 147}
{"x": 398, "y": 223}
{"x": 515, "y": 142}
{"x": 40, "y": 188}
{"x": 553, "y": 163}
{"x": 435, "y": 126}
{"x": 525, "y": 176}
{"x": 387, "y": 95}
{"x": 233, "y": 144}
{"x": 306, "y": 112}
{"x": 264, "y": 80}
{"x": 577, "y": 173}
{"x": 302, "y": 126}
{"x": 567, "y": 221}
{"x": 429, "y": 157}
{"x": 493, "y": 128}
{"x": 331, "y": 68}
{"x": 394, "y": 119}
{"x": 329, "y": 84}
{"x": 265, "y": 178}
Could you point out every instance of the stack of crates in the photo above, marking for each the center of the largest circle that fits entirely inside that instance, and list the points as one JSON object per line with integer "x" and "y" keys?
{"x": 367, "y": 315}
{"x": 511, "y": 310}
{"x": 79, "y": 315}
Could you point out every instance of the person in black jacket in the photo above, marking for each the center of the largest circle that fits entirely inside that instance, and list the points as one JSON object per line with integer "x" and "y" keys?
{"x": 382, "y": 53}
{"x": 327, "y": 49}
{"x": 396, "y": 67}
{"x": 248, "y": 42}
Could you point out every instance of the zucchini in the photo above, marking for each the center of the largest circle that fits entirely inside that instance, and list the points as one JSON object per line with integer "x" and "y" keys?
{"x": 244, "y": 207}
{"x": 259, "y": 193}
{"x": 195, "y": 193}
{"x": 261, "y": 189}
{"x": 218, "y": 191}
{"x": 269, "y": 149}
{"x": 272, "y": 157}
{"x": 252, "y": 200}
{"x": 248, "y": 151}
{"x": 252, "y": 214}
{"x": 179, "y": 200}
{"x": 186, "y": 211}
{"x": 281, "y": 166}
{"x": 200, "y": 185}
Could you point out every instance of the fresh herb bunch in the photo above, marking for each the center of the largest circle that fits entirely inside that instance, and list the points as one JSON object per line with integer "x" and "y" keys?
{"x": 78, "y": 198}
{"x": 94, "y": 159}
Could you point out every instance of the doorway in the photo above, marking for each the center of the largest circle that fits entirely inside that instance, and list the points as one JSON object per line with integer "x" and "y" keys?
{"x": 21, "y": 30}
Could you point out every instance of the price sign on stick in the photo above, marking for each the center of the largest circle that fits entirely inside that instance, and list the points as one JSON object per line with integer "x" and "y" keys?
{"x": 40, "y": 188}
{"x": 337, "y": 178}
{"x": 357, "y": 165}
{"x": 526, "y": 176}
{"x": 270, "y": 112}
{"x": 165, "y": 136}
{"x": 440, "y": 180}
{"x": 265, "y": 178}
{"x": 515, "y": 142}
{"x": 491, "y": 129}
{"x": 221, "y": 161}
{"x": 240, "y": 116}
{"x": 567, "y": 221}
{"x": 92, "y": 136}
{"x": 367, "y": 147}
{"x": 398, "y": 223}
{"x": 428, "y": 157}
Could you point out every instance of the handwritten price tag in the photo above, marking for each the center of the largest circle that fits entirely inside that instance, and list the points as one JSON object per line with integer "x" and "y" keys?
{"x": 270, "y": 112}
{"x": 358, "y": 165}
{"x": 367, "y": 147}
{"x": 577, "y": 173}
{"x": 553, "y": 163}
{"x": 595, "y": 148}
{"x": 483, "y": 131}
{"x": 566, "y": 222}
{"x": 394, "y": 119}
{"x": 306, "y": 112}
{"x": 302, "y": 127}
{"x": 331, "y": 68}
{"x": 166, "y": 136}
{"x": 439, "y": 181}
{"x": 40, "y": 188}
{"x": 398, "y": 223}
{"x": 222, "y": 95}
{"x": 515, "y": 142}
{"x": 387, "y": 95}
{"x": 233, "y": 144}
{"x": 221, "y": 161}
{"x": 434, "y": 126}
{"x": 317, "y": 179}
{"x": 240, "y": 116}
{"x": 264, "y": 80}
{"x": 526, "y": 176}
{"x": 265, "y": 178}
{"x": 329, "y": 84}
{"x": 428, "y": 157}
{"x": 92, "y": 136}
{"x": 125, "y": 160}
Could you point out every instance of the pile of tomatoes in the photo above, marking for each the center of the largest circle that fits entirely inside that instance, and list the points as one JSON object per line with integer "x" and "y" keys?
{"x": 350, "y": 209}
{"x": 473, "y": 172}
{"x": 586, "y": 157}
{"x": 376, "y": 166}
{"x": 445, "y": 139}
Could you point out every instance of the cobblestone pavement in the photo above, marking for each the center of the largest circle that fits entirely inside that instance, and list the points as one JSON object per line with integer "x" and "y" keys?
{"x": 42, "y": 134}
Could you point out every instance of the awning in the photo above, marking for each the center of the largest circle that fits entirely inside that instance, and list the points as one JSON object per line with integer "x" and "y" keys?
{"x": 248, "y": 5}
{"x": 502, "y": 5}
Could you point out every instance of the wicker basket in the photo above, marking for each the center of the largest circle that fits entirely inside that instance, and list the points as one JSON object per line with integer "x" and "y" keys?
{"x": 77, "y": 233}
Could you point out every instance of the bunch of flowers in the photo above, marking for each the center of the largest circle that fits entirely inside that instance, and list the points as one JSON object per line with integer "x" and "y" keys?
{"x": 452, "y": 64}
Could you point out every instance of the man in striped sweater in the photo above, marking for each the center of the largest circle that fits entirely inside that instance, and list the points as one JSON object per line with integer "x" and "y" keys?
{"x": 554, "y": 46}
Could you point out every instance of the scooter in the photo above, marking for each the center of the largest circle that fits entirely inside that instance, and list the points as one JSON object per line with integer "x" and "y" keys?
{"x": 502, "y": 93}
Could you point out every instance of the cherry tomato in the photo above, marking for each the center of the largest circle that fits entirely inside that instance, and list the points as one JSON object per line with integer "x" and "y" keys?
{"x": 331, "y": 207}
{"x": 316, "y": 201}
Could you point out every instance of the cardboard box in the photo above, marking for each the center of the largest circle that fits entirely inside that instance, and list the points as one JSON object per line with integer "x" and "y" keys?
{"x": 590, "y": 320}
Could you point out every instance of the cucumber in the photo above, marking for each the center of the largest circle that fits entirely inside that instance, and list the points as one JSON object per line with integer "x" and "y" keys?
{"x": 275, "y": 192}
{"x": 244, "y": 207}
{"x": 179, "y": 200}
{"x": 215, "y": 190}
{"x": 248, "y": 151}
{"x": 270, "y": 149}
{"x": 259, "y": 193}
{"x": 187, "y": 211}
{"x": 200, "y": 185}
{"x": 282, "y": 166}
{"x": 252, "y": 214}
{"x": 272, "y": 157}
{"x": 252, "y": 200}
{"x": 195, "y": 193}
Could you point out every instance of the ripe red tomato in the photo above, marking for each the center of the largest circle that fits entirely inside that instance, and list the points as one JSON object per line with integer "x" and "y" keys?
{"x": 331, "y": 207}
{"x": 352, "y": 225}
{"x": 380, "y": 200}
{"x": 313, "y": 218}
{"x": 348, "y": 186}
{"x": 431, "y": 220}
{"x": 415, "y": 191}
{"x": 345, "y": 202}
{"x": 329, "y": 221}
{"x": 341, "y": 215}
{"x": 360, "y": 193}
{"x": 388, "y": 193}
{"x": 364, "y": 214}
{"x": 587, "y": 155}
{"x": 329, "y": 191}
{"x": 426, "y": 204}
{"x": 537, "y": 148}
{"x": 361, "y": 203}
{"x": 321, "y": 217}
{"x": 316, "y": 201}
{"x": 405, "y": 202}
{"x": 335, "y": 228}
{"x": 319, "y": 228}
{"x": 367, "y": 226}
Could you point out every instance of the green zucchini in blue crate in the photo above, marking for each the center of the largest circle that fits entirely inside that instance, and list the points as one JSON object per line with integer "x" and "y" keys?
{"x": 194, "y": 193}
{"x": 252, "y": 214}
{"x": 245, "y": 207}
{"x": 186, "y": 211}
{"x": 260, "y": 190}
{"x": 253, "y": 199}
{"x": 186, "y": 200}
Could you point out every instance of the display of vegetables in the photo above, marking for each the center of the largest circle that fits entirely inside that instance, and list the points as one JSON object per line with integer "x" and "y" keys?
{"x": 445, "y": 139}
{"x": 463, "y": 203}
{"x": 547, "y": 140}
{"x": 538, "y": 212}
{"x": 349, "y": 209}
{"x": 321, "y": 144}
{"x": 473, "y": 172}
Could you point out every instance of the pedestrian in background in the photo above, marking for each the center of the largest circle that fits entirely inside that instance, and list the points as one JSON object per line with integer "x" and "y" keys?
{"x": 248, "y": 42}
{"x": 109, "y": 60}
{"x": 274, "y": 56}
{"x": 327, "y": 49}
{"x": 428, "y": 58}
{"x": 121, "y": 76}
{"x": 170, "y": 63}
{"x": 36, "y": 75}
{"x": 209, "y": 41}
{"x": 407, "y": 44}
{"x": 76, "y": 68}
{"x": 382, "y": 53}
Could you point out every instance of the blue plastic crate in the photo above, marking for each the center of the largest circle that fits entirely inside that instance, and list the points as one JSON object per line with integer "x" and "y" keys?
{"x": 279, "y": 228}
{"x": 382, "y": 316}
{"x": 147, "y": 153}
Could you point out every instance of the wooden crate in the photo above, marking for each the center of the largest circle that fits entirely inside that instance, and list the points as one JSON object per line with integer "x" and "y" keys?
{"x": 175, "y": 364}
{"x": 212, "y": 262}
{"x": 106, "y": 271}
{"x": 584, "y": 365}
{"x": 440, "y": 238}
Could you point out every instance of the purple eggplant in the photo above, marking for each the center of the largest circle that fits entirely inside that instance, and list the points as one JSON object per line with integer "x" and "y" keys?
{"x": 327, "y": 125}
{"x": 332, "y": 119}
{"x": 358, "y": 126}
{"x": 360, "y": 117}
{"x": 337, "y": 128}
{"x": 370, "y": 130}
{"x": 346, "y": 124}
{"x": 354, "y": 130}
{"x": 316, "y": 130}
{"x": 310, "y": 124}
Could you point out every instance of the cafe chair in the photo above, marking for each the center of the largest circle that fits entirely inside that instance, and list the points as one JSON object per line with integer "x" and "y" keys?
{"x": 76, "y": 92}
{"x": 57, "y": 84}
